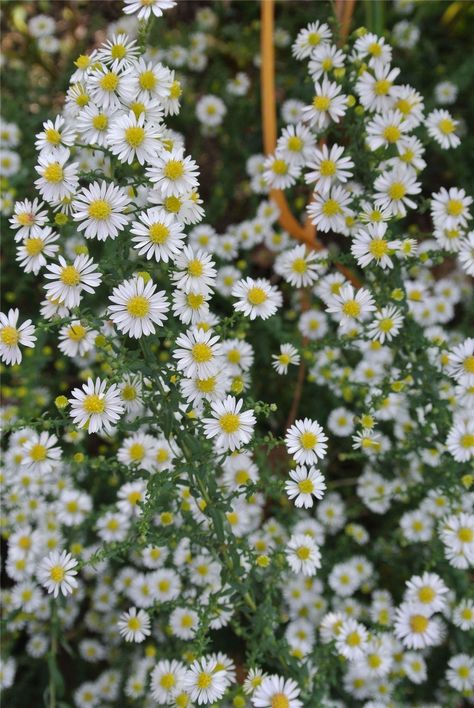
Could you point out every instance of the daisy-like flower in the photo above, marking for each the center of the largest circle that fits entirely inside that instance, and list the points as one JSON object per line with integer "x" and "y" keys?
{"x": 460, "y": 673}
{"x": 231, "y": 427}
{"x": 109, "y": 88}
{"x": 134, "y": 625}
{"x": 197, "y": 353}
{"x": 75, "y": 339}
{"x": 351, "y": 640}
{"x": 136, "y": 307}
{"x": 158, "y": 235}
{"x": 53, "y": 136}
{"x": 92, "y": 124}
{"x": 460, "y": 440}
{"x": 328, "y": 104}
{"x": 100, "y": 209}
{"x": 150, "y": 81}
{"x": 386, "y": 324}
{"x": 374, "y": 47}
{"x": 134, "y": 138}
{"x": 144, "y": 8}
{"x": 173, "y": 173}
{"x": 304, "y": 485}
{"x": 118, "y": 52}
{"x": 276, "y": 692}
{"x": 309, "y": 38}
{"x": 57, "y": 180}
{"x": 298, "y": 266}
{"x": 12, "y": 335}
{"x": 369, "y": 246}
{"x": 328, "y": 166}
{"x": 428, "y": 591}
{"x": 376, "y": 90}
{"x": 415, "y": 626}
{"x": 386, "y": 129}
{"x": 324, "y": 59}
{"x": 306, "y": 441}
{"x": 204, "y": 682}
{"x": 296, "y": 143}
{"x": 393, "y": 189}
{"x": 41, "y": 453}
{"x": 330, "y": 210}
{"x": 195, "y": 271}
{"x": 350, "y": 306}
{"x": 279, "y": 172}
{"x": 28, "y": 218}
{"x": 95, "y": 406}
{"x": 70, "y": 279}
{"x": 288, "y": 355}
{"x": 210, "y": 110}
{"x": 303, "y": 554}
{"x": 441, "y": 126}
{"x": 461, "y": 362}
{"x": 256, "y": 298}
{"x": 34, "y": 250}
{"x": 167, "y": 680}
{"x": 56, "y": 573}
{"x": 450, "y": 208}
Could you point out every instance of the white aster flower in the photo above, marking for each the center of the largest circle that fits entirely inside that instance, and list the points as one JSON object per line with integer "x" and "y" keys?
{"x": 70, "y": 279}
{"x": 274, "y": 692}
{"x": 386, "y": 324}
{"x": 393, "y": 189}
{"x": 136, "y": 307}
{"x": 34, "y": 250}
{"x": 303, "y": 554}
{"x": 329, "y": 211}
{"x": 173, "y": 173}
{"x": 204, "y": 682}
{"x": 370, "y": 245}
{"x": 306, "y": 441}
{"x": 328, "y": 166}
{"x": 350, "y": 306}
{"x": 11, "y": 336}
{"x": 134, "y": 138}
{"x": 28, "y": 218}
{"x": 304, "y": 485}
{"x": 288, "y": 355}
{"x": 441, "y": 126}
{"x": 197, "y": 353}
{"x": 53, "y": 136}
{"x": 99, "y": 209}
{"x": 158, "y": 235}
{"x": 231, "y": 427}
{"x": 57, "y": 180}
{"x": 328, "y": 104}
{"x": 134, "y": 625}
{"x": 256, "y": 298}
{"x": 56, "y": 573}
{"x": 144, "y": 8}
{"x": 95, "y": 406}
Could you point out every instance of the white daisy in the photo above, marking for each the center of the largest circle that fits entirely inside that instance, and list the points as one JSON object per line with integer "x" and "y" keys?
{"x": 393, "y": 189}
{"x": 56, "y": 573}
{"x": 137, "y": 307}
{"x": 53, "y": 136}
{"x": 11, "y": 336}
{"x": 28, "y": 218}
{"x": 329, "y": 211}
{"x": 256, "y": 298}
{"x": 386, "y": 324}
{"x": 108, "y": 88}
{"x": 309, "y": 38}
{"x": 415, "y": 627}
{"x": 303, "y": 554}
{"x": 57, "y": 180}
{"x": 280, "y": 173}
{"x": 304, "y": 485}
{"x": 34, "y": 250}
{"x": 197, "y": 353}
{"x": 144, "y": 8}
{"x": 118, "y": 52}
{"x": 231, "y": 427}
{"x": 158, "y": 235}
{"x": 100, "y": 209}
{"x": 92, "y": 124}
{"x": 441, "y": 126}
{"x": 204, "y": 682}
{"x": 76, "y": 339}
{"x": 328, "y": 104}
{"x": 327, "y": 167}
{"x": 173, "y": 173}
{"x": 306, "y": 441}
{"x": 298, "y": 266}
{"x": 274, "y": 691}
{"x": 167, "y": 680}
{"x": 350, "y": 306}
{"x": 134, "y": 625}
{"x": 195, "y": 271}
{"x": 95, "y": 406}
{"x": 41, "y": 453}
{"x": 288, "y": 355}
{"x": 376, "y": 91}
{"x": 369, "y": 246}
{"x": 70, "y": 279}
{"x": 134, "y": 138}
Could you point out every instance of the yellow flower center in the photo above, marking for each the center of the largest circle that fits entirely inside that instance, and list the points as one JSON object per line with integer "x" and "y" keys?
{"x": 284, "y": 359}
{"x": 321, "y": 103}
{"x": 9, "y": 336}
{"x": 331, "y": 208}
{"x": 138, "y": 306}
{"x": 378, "y": 247}
{"x": 327, "y": 64}
{"x": 201, "y": 352}
{"x": 72, "y": 507}
{"x": 100, "y": 121}
{"x": 175, "y": 90}
{"x": 57, "y": 573}
{"x": 447, "y": 126}
{"x": 303, "y": 552}
{"x": 147, "y": 80}
{"x": 53, "y": 173}
{"x": 468, "y": 364}
{"x": 306, "y": 486}
{"x": 391, "y": 133}
{"x": 34, "y": 246}
{"x": 374, "y": 661}
{"x": 162, "y": 455}
{"x": 82, "y": 61}
{"x": 93, "y": 404}
{"x": 204, "y": 680}
{"x": 25, "y": 219}
{"x": 454, "y": 207}
{"x": 375, "y": 49}
{"x": 136, "y": 452}
{"x": 129, "y": 393}
{"x": 294, "y": 143}
{"x": 53, "y": 136}
{"x": 38, "y": 453}
{"x": 280, "y": 167}
{"x": 70, "y": 276}
{"x": 386, "y": 324}
{"x": 418, "y": 623}
{"x": 353, "y": 639}
{"x": 158, "y": 233}
{"x": 135, "y": 136}
{"x": 299, "y": 265}
{"x": 308, "y": 440}
{"x": 195, "y": 268}
{"x": 467, "y": 441}
{"x": 195, "y": 300}
{"x": 167, "y": 681}
{"x": 134, "y": 498}
{"x": 256, "y": 296}
{"x": 327, "y": 168}
{"x": 382, "y": 87}
{"x": 118, "y": 51}
{"x": 76, "y": 332}
{"x": 426, "y": 594}
{"x": 463, "y": 672}
{"x": 172, "y": 204}
{"x": 229, "y": 422}
{"x": 351, "y": 308}
{"x": 397, "y": 191}
{"x": 109, "y": 82}
{"x": 133, "y": 624}
{"x": 279, "y": 700}
{"x": 99, "y": 209}
{"x": 206, "y": 385}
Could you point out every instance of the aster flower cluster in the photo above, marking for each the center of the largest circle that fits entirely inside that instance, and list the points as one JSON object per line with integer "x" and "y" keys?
{"x": 159, "y": 504}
